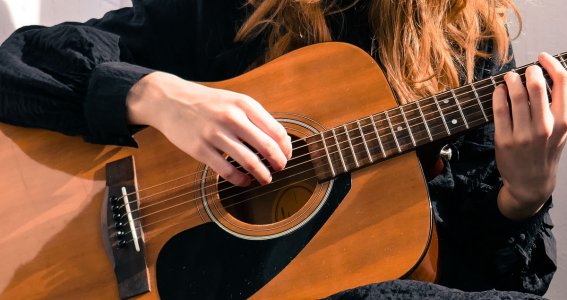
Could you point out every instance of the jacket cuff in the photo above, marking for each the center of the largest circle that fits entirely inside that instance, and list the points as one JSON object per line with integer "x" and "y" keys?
{"x": 105, "y": 104}
{"x": 506, "y": 231}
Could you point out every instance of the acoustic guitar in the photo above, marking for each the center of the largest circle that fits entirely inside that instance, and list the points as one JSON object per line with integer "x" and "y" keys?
{"x": 83, "y": 221}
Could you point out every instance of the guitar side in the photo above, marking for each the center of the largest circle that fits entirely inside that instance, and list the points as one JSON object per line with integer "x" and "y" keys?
{"x": 52, "y": 195}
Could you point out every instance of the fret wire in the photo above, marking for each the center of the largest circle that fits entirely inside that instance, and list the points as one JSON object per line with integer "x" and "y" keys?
{"x": 393, "y": 132}
{"x": 548, "y": 87}
{"x": 424, "y": 121}
{"x": 460, "y": 109}
{"x": 407, "y": 124}
{"x": 324, "y": 142}
{"x": 493, "y": 82}
{"x": 378, "y": 135}
{"x": 351, "y": 147}
{"x": 166, "y": 218}
{"x": 339, "y": 150}
{"x": 364, "y": 141}
{"x": 328, "y": 155}
{"x": 477, "y": 98}
{"x": 441, "y": 114}
{"x": 484, "y": 95}
{"x": 480, "y": 104}
{"x": 476, "y": 94}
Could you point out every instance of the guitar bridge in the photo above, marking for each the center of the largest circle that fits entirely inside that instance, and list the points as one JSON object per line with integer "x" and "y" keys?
{"x": 122, "y": 230}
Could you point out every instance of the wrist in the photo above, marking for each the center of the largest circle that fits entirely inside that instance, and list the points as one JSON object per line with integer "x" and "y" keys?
{"x": 141, "y": 100}
{"x": 516, "y": 207}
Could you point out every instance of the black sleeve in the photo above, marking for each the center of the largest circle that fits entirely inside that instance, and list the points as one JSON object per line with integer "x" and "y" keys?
{"x": 480, "y": 249}
{"x": 74, "y": 77}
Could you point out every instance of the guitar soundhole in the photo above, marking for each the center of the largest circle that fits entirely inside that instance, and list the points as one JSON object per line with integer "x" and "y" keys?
{"x": 289, "y": 191}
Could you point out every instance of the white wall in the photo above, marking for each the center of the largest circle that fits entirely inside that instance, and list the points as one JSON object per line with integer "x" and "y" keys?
{"x": 18, "y": 13}
{"x": 544, "y": 30}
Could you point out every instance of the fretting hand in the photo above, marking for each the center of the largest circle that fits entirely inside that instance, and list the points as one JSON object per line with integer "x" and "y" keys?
{"x": 206, "y": 122}
{"x": 529, "y": 136}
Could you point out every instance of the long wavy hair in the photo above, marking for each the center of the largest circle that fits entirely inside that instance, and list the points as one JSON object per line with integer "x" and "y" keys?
{"x": 424, "y": 46}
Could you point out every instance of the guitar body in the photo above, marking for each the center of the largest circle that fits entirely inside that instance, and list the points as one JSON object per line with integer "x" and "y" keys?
{"x": 369, "y": 226}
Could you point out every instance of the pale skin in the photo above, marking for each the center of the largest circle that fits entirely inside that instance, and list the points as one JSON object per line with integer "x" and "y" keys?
{"x": 530, "y": 136}
{"x": 206, "y": 123}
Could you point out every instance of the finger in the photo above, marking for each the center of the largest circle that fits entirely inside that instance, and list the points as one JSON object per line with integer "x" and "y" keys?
{"x": 264, "y": 120}
{"x": 539, "y": 103}
{"x": 264, "y": 144}
{"x": 521, "y": 119}
{"x": 226, "y": 170}
{"x": 247, "y": 159}
{"x": 502, "y": 121}
{"x": 558, "y": 74}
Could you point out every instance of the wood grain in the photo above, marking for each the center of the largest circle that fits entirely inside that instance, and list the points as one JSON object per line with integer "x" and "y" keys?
{"x": 52, "y": 187}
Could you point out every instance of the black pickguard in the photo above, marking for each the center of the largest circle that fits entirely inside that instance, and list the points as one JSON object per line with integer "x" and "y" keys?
{"x": 206, "y": 262}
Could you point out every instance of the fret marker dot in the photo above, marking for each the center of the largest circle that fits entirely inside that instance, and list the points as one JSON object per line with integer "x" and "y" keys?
{"x": 446, "y": 101}
{"x": 400, "y": 128}
{"x": 454, "y": 121}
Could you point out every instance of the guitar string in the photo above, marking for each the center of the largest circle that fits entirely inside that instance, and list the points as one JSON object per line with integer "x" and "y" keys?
{"x": 159, "y": 202}
{"x": 228, "y": 206}
{"x": 147, "y": 225}
{"x": 249, "y": 190}
{"x": 248, "y": 199}
{"x": 354, "y": 156}
{"x": 295, "y": 158}
{"x": 433, "y": 97}
{"x": 447, "y": 93}
{"x": 172, "y": 198}
{"x": 338, "y": 147}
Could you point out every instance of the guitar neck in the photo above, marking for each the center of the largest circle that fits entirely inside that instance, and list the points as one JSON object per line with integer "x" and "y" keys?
{"x": 387, "y": 134}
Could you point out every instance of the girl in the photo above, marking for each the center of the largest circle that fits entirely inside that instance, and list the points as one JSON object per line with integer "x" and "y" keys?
{"x": 136, "y": 66}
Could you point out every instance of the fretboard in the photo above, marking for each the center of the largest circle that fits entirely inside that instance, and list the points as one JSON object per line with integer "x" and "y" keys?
{"x": 384, "y": 135}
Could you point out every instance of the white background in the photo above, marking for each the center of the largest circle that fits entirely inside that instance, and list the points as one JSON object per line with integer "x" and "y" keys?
{"x": 545, "y": 25}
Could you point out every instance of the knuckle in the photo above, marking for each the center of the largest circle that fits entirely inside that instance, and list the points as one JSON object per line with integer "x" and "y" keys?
{"x": 503, "y": 143}
{"x": 211, "y": 133}
{"x": 272, "y": 153}
{"x": 501, "y": 110}
{"x": 543, "y": 133}
{"x": 245, "y": 102}
{"x": 561, "y": 126}
{"x": 241, "y": 101}
{"x": 269, "y": 149}
{"x": 249, "y": 164}
{"x": 229, "y": 117}
{"x": 277, "y": 132}
{"x": 537, "y": 85}
{"x": 524, "y": 141}
{"x": 517, "y": 95}
{"x": 562, "y": 79}
{"x": 281, "y": 132}
{"x": 228, "y": 172}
